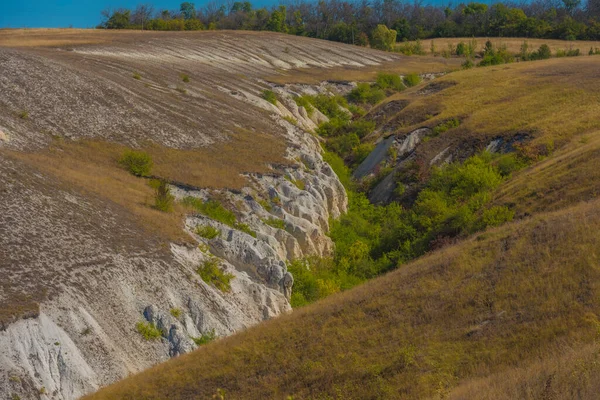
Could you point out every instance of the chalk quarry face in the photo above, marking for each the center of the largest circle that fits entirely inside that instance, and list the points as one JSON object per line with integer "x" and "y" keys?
{"x": 82, "y": 256}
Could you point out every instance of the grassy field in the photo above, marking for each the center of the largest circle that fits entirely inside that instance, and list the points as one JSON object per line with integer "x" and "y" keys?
{"x": 513, "y": 45}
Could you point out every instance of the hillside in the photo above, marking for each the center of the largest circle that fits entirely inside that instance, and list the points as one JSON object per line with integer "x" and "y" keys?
{"x": 501, "y": 314}
{"x": 104, "y": 275}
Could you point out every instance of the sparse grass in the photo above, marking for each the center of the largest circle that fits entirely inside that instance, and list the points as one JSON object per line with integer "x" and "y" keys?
{"x": 504, "y": 299}
{"x": 269, "y": 96}
{"x": 266, "y": 205}
{"x": 176, "y": 312}
{"x": 181, "y": 89}
{"x": 148, "y": 330}
{"x": 214, "y": 210}
{"x": 24, "y": 114}
{"x": 275, "y": 223}
{"x": 211, "y": 273}
{"x": 138, "y": 163}
{"x": 299, "y": 183}
{"x": 207, "y": 231}
{"x": 205, "y": 338}
{"x": 291, "y": 120}
{"x": 136, "y": 75}
{"x": 163, "y": 199}
{"x": 185, "y": 78}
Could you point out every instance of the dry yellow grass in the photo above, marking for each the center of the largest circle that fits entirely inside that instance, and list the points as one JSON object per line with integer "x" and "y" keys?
{"x": 551, "y": 101}
{"x": 92, "y": 167}
{"x": 513, "y": 45}
{"x": 496, "y": 302}
{"x": 404, "y": 65}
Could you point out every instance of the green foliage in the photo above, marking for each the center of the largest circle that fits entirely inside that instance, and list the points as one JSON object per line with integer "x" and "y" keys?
{"x": 163, "y": 199}
{"x": 212, "y": 209}
{"x": 275, "y": 222}
{"x": 210, "y": 273}
{"x": 412, "y": 80}
{"x": 299, "y": 183}
{"x": 291, "y": 120}
{"x": 139, "y": 163}
{"x": 411, "y": 48}
{"x": 331, "y": 106}
{"x": 389, "y": 81}
{"x": 23, "y": 114}
{"x": 137, "y": 76}
{"x": 148, "y": 330}
{"x": 304, "y": 101}
{"x": 340, "y": 169}
{"x": 445, "y": 126}
{"x": 365, "y": 93}
{"x": 207, "y": 231}
{"x": 383, "y": 38}
{"x": 370, "y": 239}
{"x": 492, "y": 56}
{"x": 269, "y": 96}
{"x": 185, "y": 78}
{"x": 205, "y": 338}
{"x": 175, "y": 312}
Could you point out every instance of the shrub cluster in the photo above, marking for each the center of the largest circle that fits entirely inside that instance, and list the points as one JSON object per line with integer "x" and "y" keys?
{"x": 139, "y": 163}
{"x": 214, "y": 210}
{"x": 370, "y": 239}
{"x": 269, "y": 96}
{"x": 148, "y": 330}
{"x": 210, "y": 273}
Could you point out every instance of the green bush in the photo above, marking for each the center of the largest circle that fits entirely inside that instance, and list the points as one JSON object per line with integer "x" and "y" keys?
{"x": 212, "y": 209}
{"x": 330, "y": 105}
{"x": 185, "y": 78}
{"x": 275, "y": 222}
{"x": 163, "y": 199}
{"x": 409, "y": 49}
{"x": 389, "y": 81}
{"x": 269, "y": 96}
{"x": 365, "y": 93}
{"x": 412, "y": 80}
{"x": 244, "y": 228}
{"x": 137, "y": 76}
{"x": 445, "y": 126}
{"x": 138, "y": 163}
{"x": 175, "y": 312}
{"x": 304, "y": 101}
{"x": 148, "y": 330}
{"x": 205, "y": 338}
{"x": 493, "y": 56}
{"x": 210, "y": 273}
{"x": 207, "y": 231}
{"x": 23, "y": 114}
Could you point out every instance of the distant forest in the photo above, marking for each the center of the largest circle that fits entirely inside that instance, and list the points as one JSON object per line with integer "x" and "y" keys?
{"x": 364, "y": 22}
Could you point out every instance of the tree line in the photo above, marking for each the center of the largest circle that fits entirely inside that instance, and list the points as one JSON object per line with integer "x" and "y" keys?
{"x": 376, "y": 23}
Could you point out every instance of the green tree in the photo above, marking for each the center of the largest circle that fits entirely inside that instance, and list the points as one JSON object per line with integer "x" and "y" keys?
{"x": 276, "y": 21}
{"x": 383, "y": 38}
{"x": 188, "y": 10}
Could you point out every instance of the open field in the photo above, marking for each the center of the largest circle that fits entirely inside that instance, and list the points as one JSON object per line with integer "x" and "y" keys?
{"x": 513, "y": 45}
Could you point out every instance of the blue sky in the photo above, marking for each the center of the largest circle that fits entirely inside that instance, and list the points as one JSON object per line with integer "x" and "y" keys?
{"x": 63, "y": 13}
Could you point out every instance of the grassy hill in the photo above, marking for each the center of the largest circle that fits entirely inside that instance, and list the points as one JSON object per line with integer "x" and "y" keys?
{"x": 510, "y": 312}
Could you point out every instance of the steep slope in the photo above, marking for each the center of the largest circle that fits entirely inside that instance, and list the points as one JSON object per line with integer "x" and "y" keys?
{"x": 506, "y": 313}
{"x": 85, "y": 255}
{"x": 505, "y": 298}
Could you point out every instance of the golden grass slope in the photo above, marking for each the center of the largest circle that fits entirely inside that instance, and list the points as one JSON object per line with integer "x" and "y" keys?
{"x": 501, "y": 300}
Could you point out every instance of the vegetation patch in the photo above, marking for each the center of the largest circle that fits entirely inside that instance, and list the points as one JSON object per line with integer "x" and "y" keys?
{"x": 138, "y": 163}
{"x": 205, "y": 338}
{"x": 211, "y": 273}
{"x": 269, "y": 96}
{"x": 148, "y": 330}
{"x": 215, "y": 210}
{"x": 411, "y": 80}
{"x": 163, "y": 199}
{"x": 275, "y": 222}
{"x": 207, "y": 231}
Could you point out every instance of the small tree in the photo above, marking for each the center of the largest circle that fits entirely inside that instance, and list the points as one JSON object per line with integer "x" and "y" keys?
{"x": 163, "y": 199}
{"x": 138, "y": 163}
{"x": 383, "y": 38}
